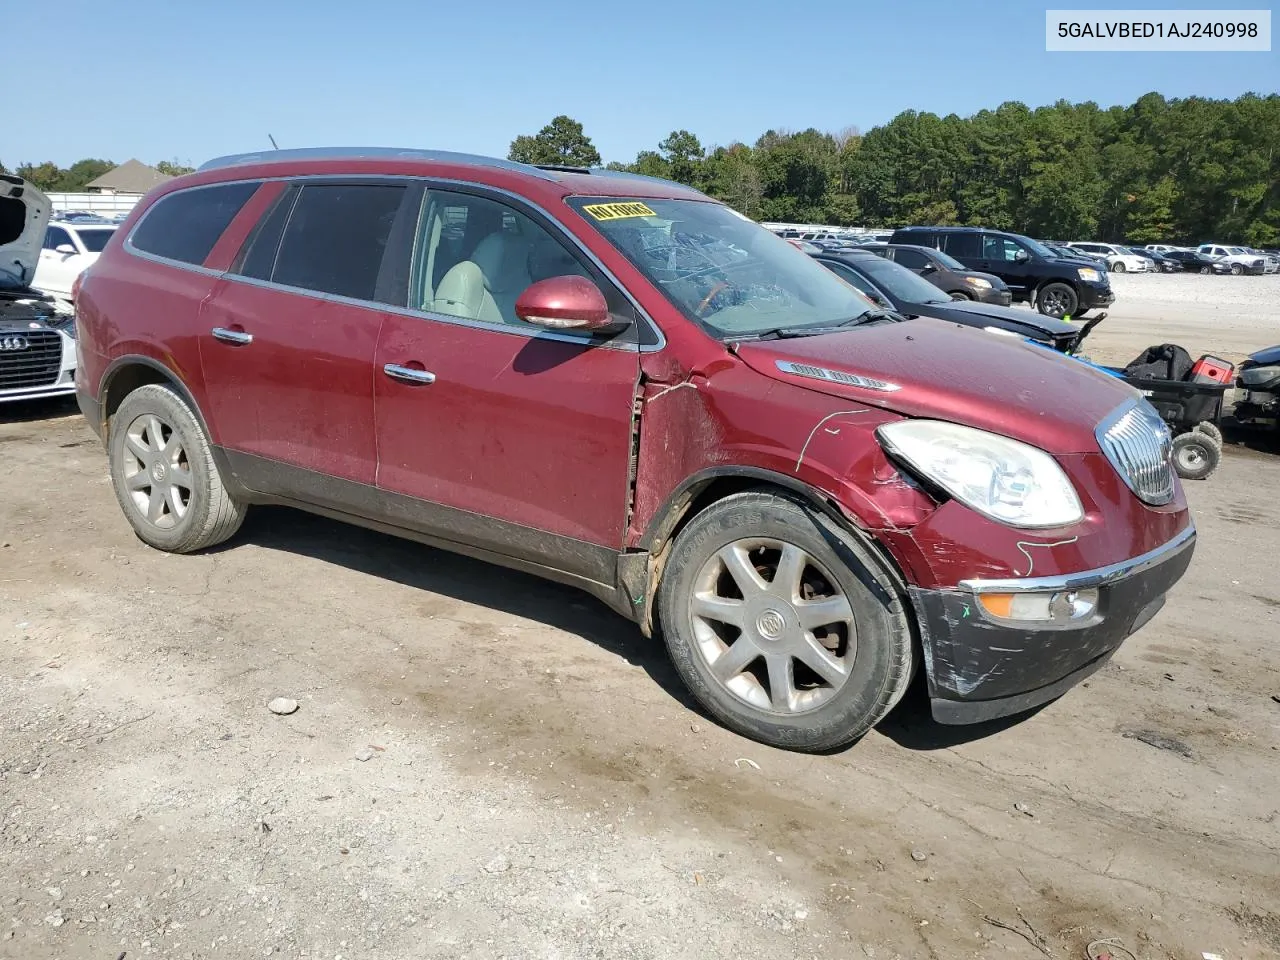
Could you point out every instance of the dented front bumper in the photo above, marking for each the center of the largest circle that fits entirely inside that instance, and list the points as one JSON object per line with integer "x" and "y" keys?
{"x": 980, "y": 668}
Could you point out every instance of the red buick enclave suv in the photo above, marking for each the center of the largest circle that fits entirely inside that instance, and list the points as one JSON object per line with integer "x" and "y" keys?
{"x": 619, "y": 383}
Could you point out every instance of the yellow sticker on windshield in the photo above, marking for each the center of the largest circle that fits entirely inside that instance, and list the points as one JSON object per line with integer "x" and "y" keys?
{"x": 618, "y": 211}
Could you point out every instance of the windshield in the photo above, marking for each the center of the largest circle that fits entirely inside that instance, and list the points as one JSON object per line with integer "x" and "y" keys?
{"x": 1235, "y": 251}
{"x": 948, "y": 261}
{"x": 720, "y": 269}
{"x": 901, "y": 283}
{"x": 95, "y": 240}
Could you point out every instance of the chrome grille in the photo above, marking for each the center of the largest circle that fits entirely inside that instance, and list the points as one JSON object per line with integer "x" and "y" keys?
{"x": 1138, "y": 444}
{"x": 30, "y": 358}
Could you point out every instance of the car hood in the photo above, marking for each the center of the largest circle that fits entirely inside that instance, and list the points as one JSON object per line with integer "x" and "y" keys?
{"x": 960, "y": 374}
{"x": 24, "y": 214}
{"x": 1078, "y": 261}
{"x": 1264, "y": 358}
{"x": 1032, "y": 319}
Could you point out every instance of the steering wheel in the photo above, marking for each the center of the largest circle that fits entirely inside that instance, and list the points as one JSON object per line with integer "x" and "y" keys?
{"x": 706, "y": 301}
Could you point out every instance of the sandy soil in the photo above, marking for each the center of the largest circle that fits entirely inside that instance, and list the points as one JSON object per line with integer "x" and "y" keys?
{"x": 1230, "y": 317}
{"x": 484, "y": 765}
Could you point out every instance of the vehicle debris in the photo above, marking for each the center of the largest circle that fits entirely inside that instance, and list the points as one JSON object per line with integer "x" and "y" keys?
{"x": 282, "y": 706}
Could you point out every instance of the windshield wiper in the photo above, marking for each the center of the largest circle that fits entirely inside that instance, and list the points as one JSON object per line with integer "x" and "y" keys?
{"x": 789, "y": 333}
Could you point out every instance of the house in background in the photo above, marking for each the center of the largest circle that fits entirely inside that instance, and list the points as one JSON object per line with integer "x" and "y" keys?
{"x": 131, "y": 177}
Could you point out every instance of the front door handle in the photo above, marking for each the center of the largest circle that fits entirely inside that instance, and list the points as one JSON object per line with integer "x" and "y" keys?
{"x": 408, "y": 374}
{"x": 238, "y": 337}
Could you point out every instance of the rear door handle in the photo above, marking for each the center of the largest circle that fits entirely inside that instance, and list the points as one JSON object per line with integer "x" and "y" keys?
{"x": 238, "y": 337}
{"x": 408, "y": 374}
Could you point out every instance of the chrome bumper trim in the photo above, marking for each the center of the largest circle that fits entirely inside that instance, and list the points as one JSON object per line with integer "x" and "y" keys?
{"x": 1087, "y": 578}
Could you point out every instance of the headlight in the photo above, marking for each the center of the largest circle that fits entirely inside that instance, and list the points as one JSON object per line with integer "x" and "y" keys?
{"x": 978, "y": 282}
{"x": 1257, "y": 376}
{"x": 1001, "y": 478}
{"x": 1088, "y": 273}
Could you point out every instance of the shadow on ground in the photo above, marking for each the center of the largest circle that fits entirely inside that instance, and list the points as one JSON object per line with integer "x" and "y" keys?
{"x": 46, "y": 408}
{"x": 464, "y": 579}
{"x": 473, "y": 581}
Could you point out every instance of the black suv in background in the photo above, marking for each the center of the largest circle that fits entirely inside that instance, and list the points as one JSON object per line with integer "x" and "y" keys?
{"x": 1056, "y": 286}
{"x": 946, "y": 273}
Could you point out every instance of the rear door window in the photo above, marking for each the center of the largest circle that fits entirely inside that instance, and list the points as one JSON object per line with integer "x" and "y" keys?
{"x": 184, "y": 226}
{"x": 961, "y": 245}
{"x": 337, "y": 237}
{"x": 911, "y": 259}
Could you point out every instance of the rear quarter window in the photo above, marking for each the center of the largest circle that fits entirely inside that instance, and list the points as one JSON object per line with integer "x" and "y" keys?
{"x": 961, "y": 245}
{"x": 184, "y": 226}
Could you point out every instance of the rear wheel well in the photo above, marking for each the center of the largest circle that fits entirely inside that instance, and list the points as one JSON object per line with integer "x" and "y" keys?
{"x": 126, "y": 380}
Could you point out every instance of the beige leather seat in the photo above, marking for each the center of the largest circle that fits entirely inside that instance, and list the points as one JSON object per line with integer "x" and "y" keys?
{"x": 503, "y": 259}
{"x": 462, "y": 293}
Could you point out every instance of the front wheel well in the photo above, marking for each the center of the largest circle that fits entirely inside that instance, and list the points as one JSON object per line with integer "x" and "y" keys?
{"x": 700, "y": 493}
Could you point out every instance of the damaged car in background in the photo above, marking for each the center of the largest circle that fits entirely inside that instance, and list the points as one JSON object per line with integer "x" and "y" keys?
{"x": 37, "y": 335}
{"x": 621, "y": 384}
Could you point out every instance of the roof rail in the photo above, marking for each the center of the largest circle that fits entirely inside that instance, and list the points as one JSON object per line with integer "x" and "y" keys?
{"x": 371, "y": 153}
{"x": 562, "y": 168}
{"x": 626, "y": 175}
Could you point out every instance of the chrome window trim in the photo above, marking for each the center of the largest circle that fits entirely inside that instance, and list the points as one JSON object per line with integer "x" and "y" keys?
{"x": 641, "y": 314}
{"x": 1098, "y": 577}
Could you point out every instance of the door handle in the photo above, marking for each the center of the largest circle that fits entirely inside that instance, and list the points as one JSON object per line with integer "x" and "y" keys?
{"x": 408, "y": 374}
{"x": 238, "y": 337}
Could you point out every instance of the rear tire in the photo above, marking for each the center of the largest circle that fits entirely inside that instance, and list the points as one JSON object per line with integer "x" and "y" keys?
{"x": 164, "y": 475}
{"x": 1195, "y": 456}
{"x": 1057, "y": 300}
{"x": 781, "y": 674}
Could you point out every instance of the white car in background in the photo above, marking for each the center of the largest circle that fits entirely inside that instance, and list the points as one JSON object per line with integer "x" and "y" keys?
{"x": 1238, "y": 259}
{"x": 1119, "y": 259}
{"x": 70, "y": 247}
{"x": 37, "y": 336}
{"x": 1162, "y": 247}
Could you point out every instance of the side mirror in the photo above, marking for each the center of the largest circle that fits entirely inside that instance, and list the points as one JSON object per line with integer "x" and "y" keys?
{"x": 927, "y": 269}
{"x": 66, "y": 249}
{"x": 564, "y": 303}
{"x": 1021, "y": 256}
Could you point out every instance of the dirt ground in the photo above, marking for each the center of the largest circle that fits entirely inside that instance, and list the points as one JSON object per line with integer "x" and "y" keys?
{"x": 484, "y": 765}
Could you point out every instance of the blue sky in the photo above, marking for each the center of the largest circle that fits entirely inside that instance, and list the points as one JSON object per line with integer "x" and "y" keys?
{"x": 159, "y": 80}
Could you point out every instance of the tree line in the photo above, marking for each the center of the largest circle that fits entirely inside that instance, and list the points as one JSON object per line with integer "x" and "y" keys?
{"x": 1171, "y": 170}
{"x": 51, "y": 178}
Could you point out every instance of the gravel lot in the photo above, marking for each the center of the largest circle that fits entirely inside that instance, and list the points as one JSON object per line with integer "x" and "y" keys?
{"x": 1230, "y": 317}
{"x": 484, "y": 765}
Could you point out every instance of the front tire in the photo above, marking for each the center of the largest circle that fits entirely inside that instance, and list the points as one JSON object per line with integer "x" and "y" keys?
{"x": 1204, "y": 270}
{"x": 960, "y": 295}
{"x": 784, "y": 626}
{"x": 1057, "y": 300}
{"x": 1236, "y": 269}
{"x": 164, "y": 476}
{"x": 1118, "y": 267}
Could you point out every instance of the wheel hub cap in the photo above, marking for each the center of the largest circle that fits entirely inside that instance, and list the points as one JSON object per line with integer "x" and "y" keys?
{"x": 157, "y": 475}
{"x": 772, "y": 626}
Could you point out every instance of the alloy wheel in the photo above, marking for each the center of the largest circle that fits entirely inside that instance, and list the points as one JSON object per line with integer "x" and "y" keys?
{"x": 773, "y": 626}
{"x": 157, "y": 474}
